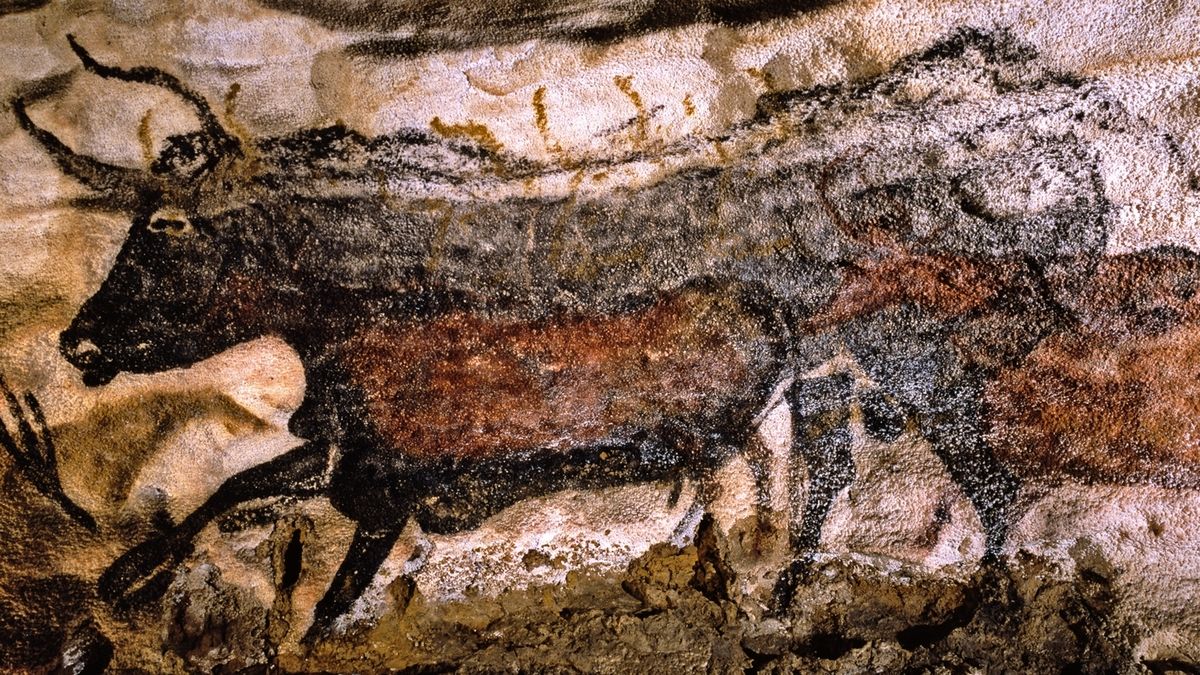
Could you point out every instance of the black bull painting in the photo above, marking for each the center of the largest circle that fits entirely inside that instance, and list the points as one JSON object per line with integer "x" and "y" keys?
{"x": 467, "y": 345}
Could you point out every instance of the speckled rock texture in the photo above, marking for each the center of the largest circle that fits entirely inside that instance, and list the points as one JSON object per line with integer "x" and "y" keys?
{"x": 605, "y": 336}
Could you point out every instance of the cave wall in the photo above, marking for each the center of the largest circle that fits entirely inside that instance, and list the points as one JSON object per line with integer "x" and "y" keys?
{"x": 972, "y": 225}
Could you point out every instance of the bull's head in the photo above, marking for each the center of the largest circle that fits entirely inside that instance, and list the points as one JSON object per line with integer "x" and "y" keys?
{"x": 184, "y": 271}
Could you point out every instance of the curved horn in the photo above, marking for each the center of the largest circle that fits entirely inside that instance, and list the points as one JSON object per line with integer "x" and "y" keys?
{"x": 155, "y": 77}
{"x": 121, "y": 185}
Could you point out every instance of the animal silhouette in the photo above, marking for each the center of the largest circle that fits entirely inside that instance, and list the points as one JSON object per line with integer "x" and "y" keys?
{"x": 401, "y": 289}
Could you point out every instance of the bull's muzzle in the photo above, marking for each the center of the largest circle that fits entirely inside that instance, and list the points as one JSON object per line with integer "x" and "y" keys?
{"x": 91, "y": 361}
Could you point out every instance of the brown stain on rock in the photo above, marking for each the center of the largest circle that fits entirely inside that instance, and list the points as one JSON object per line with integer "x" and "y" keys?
{"x": 245, "y": 138}
{"x": 766, "y": 79}
{"x": 625, "y": 84}
{"x": 145, "y": 142}
{"x": 476, "y": 133}
{"x": 542, "y": 120}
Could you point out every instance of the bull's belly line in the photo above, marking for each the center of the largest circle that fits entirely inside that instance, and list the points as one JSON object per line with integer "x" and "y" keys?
{"x": 447, "y": 453}
{"x": 450, "y": 494}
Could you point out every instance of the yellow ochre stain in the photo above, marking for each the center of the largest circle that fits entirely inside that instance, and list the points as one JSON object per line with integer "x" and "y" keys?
{"x": 542, "y": 120}
{"x": 144, "y": 139}
{"x": 767, "y": 79}
{"x": 472, "y": 131}
{"x": 240, "y": 132}
{"x": 689, "y": 108}
{"x": 625, "y": 84}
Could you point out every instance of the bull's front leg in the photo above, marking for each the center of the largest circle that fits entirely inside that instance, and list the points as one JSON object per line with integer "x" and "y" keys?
{"x": 368, "y": 550}
{"x": 955, "y": 426}
{"x": 300, "y": 472}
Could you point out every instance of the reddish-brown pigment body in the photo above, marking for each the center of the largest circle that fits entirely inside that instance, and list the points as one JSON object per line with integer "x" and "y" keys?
{"x": 468, "y": 387}
{"x": 1114, "y": 397}
{"x": 1117, "y": 400}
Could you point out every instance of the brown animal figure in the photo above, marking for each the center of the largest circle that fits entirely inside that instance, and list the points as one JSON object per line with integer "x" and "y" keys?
{"x": 343, "y": 245}
{"x": 1097, "y": 382}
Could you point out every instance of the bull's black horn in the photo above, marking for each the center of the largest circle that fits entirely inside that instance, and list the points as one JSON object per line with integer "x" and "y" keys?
{"x": 155, "y": 77}
{"x": 121, "y": 185}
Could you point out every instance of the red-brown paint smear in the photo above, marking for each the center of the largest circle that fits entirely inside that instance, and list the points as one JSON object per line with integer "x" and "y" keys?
{"x": 1116, "y": 400}
{"x": 465, "y": 386}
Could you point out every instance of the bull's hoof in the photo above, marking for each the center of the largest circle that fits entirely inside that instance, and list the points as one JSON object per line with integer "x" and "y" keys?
{"x": 789, "y": 580}
{"x": 149, "y": 563}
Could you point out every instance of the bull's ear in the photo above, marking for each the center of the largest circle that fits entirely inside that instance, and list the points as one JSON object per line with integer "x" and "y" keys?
{"x": 219, "y": 139}
{"x": 120, "y": 188}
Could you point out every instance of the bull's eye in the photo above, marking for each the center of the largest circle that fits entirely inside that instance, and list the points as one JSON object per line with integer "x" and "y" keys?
{"x": 172, "y": 222}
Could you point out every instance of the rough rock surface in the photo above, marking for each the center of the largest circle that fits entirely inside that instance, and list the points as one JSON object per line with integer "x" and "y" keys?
{"x": 995, "y": 208}
{"x": 680, "y": 610}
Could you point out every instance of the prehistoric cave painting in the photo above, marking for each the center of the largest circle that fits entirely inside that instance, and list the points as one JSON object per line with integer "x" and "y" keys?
{"x": 33, "y": 452}
{"x": 1114, "y": 395}
{"x": 939, "y": 222}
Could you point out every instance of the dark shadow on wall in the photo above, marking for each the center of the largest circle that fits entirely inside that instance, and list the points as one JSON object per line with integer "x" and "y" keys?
{"x": 18, "y": 6}
{"x": 441, "y": 25}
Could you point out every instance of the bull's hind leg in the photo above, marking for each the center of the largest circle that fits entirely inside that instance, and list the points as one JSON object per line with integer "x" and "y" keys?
{"x": 758, "y": 459}
{"x": 821, "y": 436}
{"x": 300, "y": 472}
{"x": 366, "y": 554}
{"x": 955, "y": 429}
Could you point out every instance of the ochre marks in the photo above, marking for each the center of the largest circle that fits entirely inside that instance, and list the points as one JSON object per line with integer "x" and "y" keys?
{"x": 243, "y": 135}
{"x": 763, "y": 77}
{"x": 625, "y": 84}
{"x": 144, "y": 138}
{"x": 247, "y": 166}
{"x": 474, "y": 132}
{"x": 542, "y": 120}
{"x": 689, "y": 108}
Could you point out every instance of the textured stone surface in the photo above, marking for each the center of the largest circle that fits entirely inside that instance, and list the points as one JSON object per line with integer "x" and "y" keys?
{"x": 972, "y": 226}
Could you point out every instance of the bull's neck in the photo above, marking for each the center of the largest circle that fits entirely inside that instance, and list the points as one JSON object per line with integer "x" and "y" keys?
{"x": 311, "y": 331}
{"x": 315, "y": 322}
